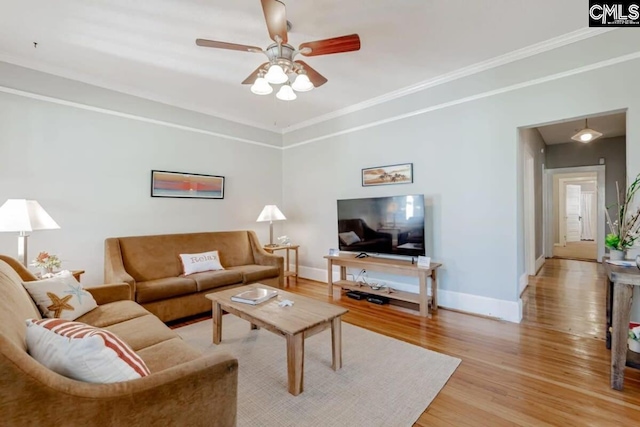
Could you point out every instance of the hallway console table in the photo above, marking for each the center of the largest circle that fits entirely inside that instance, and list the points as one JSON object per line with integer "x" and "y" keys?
{"x": 620, "y": 282}
{"x": 427, "y": 303}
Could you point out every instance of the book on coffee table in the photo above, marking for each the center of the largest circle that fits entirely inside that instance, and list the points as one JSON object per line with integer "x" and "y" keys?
{"x": 254, "y": 296}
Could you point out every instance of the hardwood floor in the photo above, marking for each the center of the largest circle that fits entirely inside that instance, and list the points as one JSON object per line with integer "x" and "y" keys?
{"x": 550, "y": 370}
{"x": 586, "y": 250}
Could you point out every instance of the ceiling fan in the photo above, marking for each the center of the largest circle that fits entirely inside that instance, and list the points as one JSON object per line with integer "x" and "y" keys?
{"x": 281, "y": 56}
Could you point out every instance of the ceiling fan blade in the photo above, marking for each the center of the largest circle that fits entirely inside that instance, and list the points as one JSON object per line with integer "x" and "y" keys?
{"x": 253, "y": 76}
{"x": 316, "y": 78}
{"x": 230, "y": 46}
{"x": 335, "y": 45}
{"x": 276, "y": 17}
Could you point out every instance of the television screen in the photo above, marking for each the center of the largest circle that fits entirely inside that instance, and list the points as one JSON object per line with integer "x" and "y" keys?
{"x": 386, "y": 225}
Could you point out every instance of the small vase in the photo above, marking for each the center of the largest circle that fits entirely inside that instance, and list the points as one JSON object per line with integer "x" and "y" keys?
{"x": 616, "y": 255}
{"x": 47, "y": 271}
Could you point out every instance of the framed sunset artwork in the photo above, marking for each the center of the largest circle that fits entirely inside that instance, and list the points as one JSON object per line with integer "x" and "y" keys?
{"x": 186, "y": 185}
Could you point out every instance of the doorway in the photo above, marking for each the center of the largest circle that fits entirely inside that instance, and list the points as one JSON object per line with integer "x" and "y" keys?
{"x": 575, "y": 210}
{"x": 572, "y": 218}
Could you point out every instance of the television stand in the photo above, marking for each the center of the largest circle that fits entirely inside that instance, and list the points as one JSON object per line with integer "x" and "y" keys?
{"x": 426, "y": 303}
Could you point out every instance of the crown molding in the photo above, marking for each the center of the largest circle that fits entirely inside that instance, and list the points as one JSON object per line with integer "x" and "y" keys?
{"x": 479, "y": 67}
{"x": 109, "y": 112}
{"x": 127, "y": 90}
{"x": 552, "y": 77}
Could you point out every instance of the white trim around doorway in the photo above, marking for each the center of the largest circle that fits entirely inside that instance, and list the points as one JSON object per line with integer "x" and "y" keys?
{"x": 548, "y": 204}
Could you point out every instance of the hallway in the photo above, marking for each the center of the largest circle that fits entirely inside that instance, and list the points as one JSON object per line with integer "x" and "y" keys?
{"x": 586, "y": 249}
{"x": 567, "y": 296}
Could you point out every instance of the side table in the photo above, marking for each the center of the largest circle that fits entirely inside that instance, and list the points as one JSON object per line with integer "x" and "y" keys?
{"x": 287, "y": 272}
{"x": 75, "y": 273}
{"x": 619, "y": 282}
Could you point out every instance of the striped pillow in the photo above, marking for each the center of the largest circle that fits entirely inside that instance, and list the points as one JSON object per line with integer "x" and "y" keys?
{"x": 82, "y": 352}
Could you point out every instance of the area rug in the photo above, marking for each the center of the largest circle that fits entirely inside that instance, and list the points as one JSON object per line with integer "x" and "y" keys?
{"x": 383, "y": 381}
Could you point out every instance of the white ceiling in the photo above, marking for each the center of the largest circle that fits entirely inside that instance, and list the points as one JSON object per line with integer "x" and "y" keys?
{"x": 147, "y": 48}
{"x": 610, "y": 126}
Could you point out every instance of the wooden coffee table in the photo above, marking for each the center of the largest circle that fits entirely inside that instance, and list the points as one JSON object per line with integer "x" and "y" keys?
{"x": 305, "y": 318}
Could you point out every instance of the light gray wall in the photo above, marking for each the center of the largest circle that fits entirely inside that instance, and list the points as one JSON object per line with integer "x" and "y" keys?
{"x": 91, "y": 172}
{"x": 532, "y": 139}
{"x": 59, "y": 89}
{"x": 462, "y": 137}
{"x": 574, "y": 154}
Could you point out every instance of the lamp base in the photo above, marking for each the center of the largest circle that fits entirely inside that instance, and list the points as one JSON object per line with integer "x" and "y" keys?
{"x": 22, "y": 247}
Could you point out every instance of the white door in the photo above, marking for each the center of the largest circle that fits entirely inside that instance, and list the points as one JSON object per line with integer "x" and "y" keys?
{"x": 572, "y": 213}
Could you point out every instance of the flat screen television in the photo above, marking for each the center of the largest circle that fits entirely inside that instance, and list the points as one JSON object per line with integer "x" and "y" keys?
{"x": 384, "y": 225}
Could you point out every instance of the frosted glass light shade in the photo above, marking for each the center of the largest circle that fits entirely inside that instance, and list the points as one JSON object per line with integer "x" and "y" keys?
{"x": 261, "y": 87}
{"x": 25, "y": 215}
{"x": 286, "y": 93}
{"x": 270, "y": 213}
{"x": 586, "y": 135}
{"x": 276, "y": 75}
{"x": 302, "y": 83}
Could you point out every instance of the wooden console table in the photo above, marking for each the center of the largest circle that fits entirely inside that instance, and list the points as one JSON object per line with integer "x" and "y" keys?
{"x": 620, "y": 283}
{"x": 390, "y": 266}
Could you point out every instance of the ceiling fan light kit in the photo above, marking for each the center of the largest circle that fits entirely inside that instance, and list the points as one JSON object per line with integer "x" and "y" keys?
{"x": 286, "y": 93}
{"x": 276, "y": 75}
{"x": 282, "y": 55}
{"x": 261, "y": 87}
{"x": 302, "y": 83}
{"x": 586, "y": 135}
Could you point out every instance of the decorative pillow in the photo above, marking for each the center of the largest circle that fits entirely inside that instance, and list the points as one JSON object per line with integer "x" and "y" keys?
{"x": 196, "y": 263}
{"x": 60, "y": 297}
{"x": 83, "y": 352}
{"x": 349, "y": 237}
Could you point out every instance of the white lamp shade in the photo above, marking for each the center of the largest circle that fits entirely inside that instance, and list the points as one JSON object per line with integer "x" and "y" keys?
{"x": 276, "y": 75}
{"x": 286, "y": 93}
{"x": 302, "y": 83}
{"x": 24, "y": 215}
{"x": 261, "y": 87}
{"x": 270, "y": 213}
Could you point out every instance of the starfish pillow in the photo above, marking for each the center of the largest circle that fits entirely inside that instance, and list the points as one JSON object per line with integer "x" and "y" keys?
{"x": 60, "y": 297}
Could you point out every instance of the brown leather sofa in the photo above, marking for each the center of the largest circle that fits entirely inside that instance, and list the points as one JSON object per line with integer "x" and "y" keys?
{"x": 151, "y": 265}
{"x": 184, "y": 388}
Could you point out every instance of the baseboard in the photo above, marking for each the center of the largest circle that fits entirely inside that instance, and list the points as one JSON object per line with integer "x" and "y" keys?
{"x": 522, "y": 283}
{"x": 500, "y": 309}
{"x": 539, "y": 263}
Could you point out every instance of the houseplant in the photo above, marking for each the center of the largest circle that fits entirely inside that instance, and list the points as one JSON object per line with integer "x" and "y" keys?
{"x": 634, "y": 339}
{"x": 624, "y": 226}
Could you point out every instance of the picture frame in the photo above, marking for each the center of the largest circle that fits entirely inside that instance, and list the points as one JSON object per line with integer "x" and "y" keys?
{"x": 183, "y": 185}
{"x": 388, "y": 175}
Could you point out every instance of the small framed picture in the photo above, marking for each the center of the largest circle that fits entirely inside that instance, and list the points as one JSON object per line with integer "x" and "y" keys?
{"x": 386, "y": 175}
{"x": 334, "y": 252}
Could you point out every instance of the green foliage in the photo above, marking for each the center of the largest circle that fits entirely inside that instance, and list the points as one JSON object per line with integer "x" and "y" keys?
{"x": 625, "y": 224}
{"x": 612, "y": 241}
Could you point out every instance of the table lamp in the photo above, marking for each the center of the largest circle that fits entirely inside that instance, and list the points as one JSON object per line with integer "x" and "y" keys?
{"x": 23, "y": 216}
{"x": 270, "y": 213}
